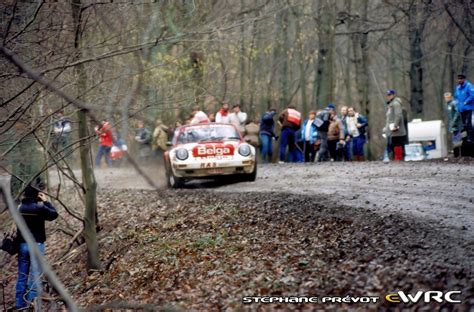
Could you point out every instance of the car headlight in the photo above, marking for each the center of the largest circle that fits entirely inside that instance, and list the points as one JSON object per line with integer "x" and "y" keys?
{"x": 244, "y": 150}
{"x": 182, "y": 154}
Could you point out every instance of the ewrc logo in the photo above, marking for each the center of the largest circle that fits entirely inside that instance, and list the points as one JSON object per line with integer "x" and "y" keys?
{"x": 213, "y": 150}
{"x": 427, "y": 297}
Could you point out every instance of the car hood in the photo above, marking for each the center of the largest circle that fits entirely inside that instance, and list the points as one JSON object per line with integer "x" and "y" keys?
{"x": 214, "y": 148}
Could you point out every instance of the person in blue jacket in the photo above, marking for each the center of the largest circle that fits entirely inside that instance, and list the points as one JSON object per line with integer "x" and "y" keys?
{"x": 35, "y": 210}
{"x": 267, "y": 134}
{"x": 464, "y": 95}
{"x": 308, "y": 135}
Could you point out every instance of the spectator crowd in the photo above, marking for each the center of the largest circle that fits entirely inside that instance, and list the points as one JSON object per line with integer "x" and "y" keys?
{"x": 329, "y": 134}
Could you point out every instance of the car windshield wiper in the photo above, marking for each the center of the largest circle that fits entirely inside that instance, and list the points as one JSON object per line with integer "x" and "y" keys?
{"x": 212, "y": 139}
{"x": 233, "y": 138}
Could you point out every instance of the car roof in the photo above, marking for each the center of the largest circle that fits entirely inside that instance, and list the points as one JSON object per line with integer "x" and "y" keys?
{"x": 204, "y": 125}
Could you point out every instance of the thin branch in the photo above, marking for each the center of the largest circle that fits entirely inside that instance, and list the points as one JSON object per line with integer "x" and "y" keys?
{"x": 458, "y": 25}
{"x": 9, "y": 55}
{"x": 35, "y": 14}
{"x": 10, "y": 22}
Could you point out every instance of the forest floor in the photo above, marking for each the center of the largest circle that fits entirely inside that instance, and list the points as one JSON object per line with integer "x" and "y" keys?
{"x": 357, "y": 229}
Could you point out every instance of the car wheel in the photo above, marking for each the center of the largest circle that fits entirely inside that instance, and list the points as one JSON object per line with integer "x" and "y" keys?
{"x": 172, "y": 180}
{"x": 252, "y": 176}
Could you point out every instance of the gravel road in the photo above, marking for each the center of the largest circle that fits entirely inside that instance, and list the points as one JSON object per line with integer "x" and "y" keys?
{"x": 442, "y": 194}
{"x": 438, "y": 193}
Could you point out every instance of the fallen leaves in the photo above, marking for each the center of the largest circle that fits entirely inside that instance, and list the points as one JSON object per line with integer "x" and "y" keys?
{"x": 206, "y": 251}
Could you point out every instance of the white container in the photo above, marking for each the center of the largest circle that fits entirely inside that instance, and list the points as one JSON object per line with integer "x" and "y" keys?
{"x": 431, "y": 135}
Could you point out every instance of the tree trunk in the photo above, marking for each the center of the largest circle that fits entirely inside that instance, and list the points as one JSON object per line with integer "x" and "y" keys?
{"x": 88, "y": 178}
{"x": 197, "y": 64}
{"x": 284, "y": 77}
{"x": 324, "y": 84}
{"x": 360, "y": 50}
{"x": 242, "y": 60}
{"x": 254, "y": 63}
{"x": 301, "y": 62}
{"x": 416, "y": 56}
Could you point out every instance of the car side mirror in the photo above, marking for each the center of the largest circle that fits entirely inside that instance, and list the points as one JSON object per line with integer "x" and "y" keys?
{"x": 169, "y": 143}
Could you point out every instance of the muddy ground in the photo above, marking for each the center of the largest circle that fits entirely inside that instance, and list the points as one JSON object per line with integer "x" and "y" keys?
{"x": 313, "y": 230}
{"x": 437, "y": 192}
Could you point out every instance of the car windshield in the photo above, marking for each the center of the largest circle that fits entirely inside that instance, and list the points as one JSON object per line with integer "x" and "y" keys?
{"x": 211, "y": 133}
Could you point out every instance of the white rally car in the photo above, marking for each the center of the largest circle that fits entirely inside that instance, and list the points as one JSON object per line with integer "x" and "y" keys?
{"x": 209, "y": 150}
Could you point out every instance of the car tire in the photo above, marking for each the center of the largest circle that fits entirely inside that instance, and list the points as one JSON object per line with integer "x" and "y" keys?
{"x": 173, "y": 181}
{"x": 251, "y": 177}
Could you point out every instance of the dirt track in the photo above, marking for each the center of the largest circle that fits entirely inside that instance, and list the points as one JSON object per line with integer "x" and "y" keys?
{"x": 441, "y": 194}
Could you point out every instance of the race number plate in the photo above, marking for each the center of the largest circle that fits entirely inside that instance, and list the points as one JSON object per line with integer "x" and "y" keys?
{"x": 216, "y": 171}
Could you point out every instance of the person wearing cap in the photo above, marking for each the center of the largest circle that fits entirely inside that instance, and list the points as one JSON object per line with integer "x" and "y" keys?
{"x": 464, "y": 95}
{"x": 395, "y": 129}
{"x": 35, "y": 209}
{"x": 455, "y": 125}
{"x": 322, "y": 121}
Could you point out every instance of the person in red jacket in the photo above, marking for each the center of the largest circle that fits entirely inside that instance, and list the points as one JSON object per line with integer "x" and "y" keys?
{"x": 106, "y": 142}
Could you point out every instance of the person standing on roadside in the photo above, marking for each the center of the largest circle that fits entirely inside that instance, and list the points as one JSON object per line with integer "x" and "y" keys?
{"x": 346, "y": 152}
{"x": 356, "y": 125}
{"x": 455, "y": 124}
{"x": 267, "y": 134}
{"x": 222, "y": 115}
{"x": 395, "y": 125}
{"x": 144, "y": 137}
{"x": 464, "y": 95}
{"x": 160, "y": 139}
{"x": 290, "y": 120}
{"x": 238, "y": 118}
{"x": 336, "y": 138}
{"x": 106, "y": 142}
{"x": 62, "y": 129}
{"x": 309, "y": 134}
{"x": 322, "y": 124}
{"x": 35, "y": 209}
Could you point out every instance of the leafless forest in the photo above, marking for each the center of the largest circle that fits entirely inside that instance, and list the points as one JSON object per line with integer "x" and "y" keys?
{"x": 147, "y": 59}
{"x": 142, "y": 60}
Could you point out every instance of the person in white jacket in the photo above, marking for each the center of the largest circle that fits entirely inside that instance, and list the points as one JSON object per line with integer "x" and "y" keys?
{"x": 238, "y": 118}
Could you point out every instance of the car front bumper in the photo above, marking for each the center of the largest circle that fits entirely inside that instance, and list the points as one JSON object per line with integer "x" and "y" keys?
{"x": 205, "y": 169}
